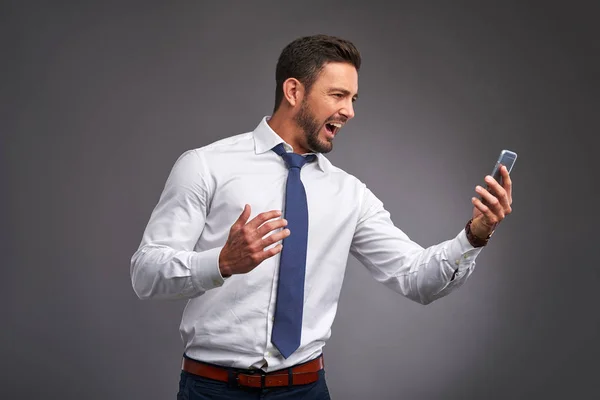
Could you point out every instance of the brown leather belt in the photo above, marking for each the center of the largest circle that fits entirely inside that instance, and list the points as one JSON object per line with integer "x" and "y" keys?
{"x": 298, "y": 375}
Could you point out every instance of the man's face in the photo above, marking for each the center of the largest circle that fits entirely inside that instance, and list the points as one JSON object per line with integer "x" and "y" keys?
{"x": 328, "y": 106}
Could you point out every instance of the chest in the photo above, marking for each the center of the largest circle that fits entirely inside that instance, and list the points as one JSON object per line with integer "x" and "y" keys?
{"x": 332, "y": 200}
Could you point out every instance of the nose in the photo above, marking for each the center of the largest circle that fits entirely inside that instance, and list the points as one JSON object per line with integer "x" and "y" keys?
{"x": 348, "y": 110}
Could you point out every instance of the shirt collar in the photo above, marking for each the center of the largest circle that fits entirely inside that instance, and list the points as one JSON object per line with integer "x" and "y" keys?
{"x": 266, "y": 138}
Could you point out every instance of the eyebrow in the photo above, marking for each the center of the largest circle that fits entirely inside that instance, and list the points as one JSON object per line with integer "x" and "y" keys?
{"x": 344, "y": 91}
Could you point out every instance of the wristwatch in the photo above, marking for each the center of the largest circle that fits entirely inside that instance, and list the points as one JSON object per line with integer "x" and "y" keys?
{"x": 475, "y": 240}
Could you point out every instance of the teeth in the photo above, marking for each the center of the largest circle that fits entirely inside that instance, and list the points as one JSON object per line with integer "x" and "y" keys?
{"x": 336, "y": 124}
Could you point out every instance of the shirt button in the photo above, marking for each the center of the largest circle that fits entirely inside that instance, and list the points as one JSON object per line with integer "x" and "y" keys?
{"x": 268, "y": 354}
{"x": 457, "y": 262}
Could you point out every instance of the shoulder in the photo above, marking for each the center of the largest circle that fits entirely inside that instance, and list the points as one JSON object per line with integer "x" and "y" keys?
{"x": 239, "y": 142}
{"x": 366, "y": 200}
{"x": 218, "y": 150}
{"x": 336, "y": 172}
{"x": 343, "y": 180}
{"x": 198, "y": 159}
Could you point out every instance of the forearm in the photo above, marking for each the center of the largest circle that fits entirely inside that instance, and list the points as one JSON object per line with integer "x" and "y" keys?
{"x": 436, "y": 271}
{"x": 166, "y": 265}
{"x": 161, "y": 272}
{"x": 421, "y": 274}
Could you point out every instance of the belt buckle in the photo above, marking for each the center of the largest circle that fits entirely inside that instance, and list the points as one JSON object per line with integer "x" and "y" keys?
{"x": 259, "y": 377}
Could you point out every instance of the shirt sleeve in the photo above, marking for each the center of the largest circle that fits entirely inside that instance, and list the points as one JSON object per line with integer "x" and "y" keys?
{"x": 420, "y": 274}
{"x": 165, "y": 265}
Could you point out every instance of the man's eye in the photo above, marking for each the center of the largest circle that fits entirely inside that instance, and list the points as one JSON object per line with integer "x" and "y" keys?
{"x": 338, "y": 95}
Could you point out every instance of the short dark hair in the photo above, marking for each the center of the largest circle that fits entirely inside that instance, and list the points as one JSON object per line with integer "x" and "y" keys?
{"x": 305, "y": 57}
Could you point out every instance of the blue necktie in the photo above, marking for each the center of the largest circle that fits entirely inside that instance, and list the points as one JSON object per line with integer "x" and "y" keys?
{"x": 287, "y": 326}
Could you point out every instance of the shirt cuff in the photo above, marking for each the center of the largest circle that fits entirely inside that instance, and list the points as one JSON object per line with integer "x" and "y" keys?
{"x": 206, "y": 273}
{"x": 461, "y": 253}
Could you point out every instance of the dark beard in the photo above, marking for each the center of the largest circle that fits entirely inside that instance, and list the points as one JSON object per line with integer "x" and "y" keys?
{"x": 311, "y": 127}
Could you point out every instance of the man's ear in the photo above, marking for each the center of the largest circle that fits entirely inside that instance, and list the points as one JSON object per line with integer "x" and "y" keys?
{"x": 293, "y": 91}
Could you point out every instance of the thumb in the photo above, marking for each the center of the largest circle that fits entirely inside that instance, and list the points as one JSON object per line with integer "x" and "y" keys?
{"x": 243, "y": 218}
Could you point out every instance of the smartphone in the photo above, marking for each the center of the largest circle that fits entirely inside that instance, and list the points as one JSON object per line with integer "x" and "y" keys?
{"x": 506, "y": 158}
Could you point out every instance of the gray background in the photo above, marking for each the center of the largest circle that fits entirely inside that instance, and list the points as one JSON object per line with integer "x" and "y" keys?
{"x": 98, "y": 101}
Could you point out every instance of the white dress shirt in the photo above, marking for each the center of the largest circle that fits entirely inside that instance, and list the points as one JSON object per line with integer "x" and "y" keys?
{"x": 229, "y": 321}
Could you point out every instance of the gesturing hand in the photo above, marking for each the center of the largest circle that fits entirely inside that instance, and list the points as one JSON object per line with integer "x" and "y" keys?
{"x": 245, "y": 247}
{"x": 492, "y": 208}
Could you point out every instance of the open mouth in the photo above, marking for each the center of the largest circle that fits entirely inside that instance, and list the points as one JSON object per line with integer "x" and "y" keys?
{"x": 333, "y": 127}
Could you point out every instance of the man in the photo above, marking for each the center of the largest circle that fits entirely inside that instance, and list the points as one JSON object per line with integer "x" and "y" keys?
{"x": 257, "y": 236}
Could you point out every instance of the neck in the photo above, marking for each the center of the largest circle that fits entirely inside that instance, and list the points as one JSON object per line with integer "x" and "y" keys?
{"x": 288, "y": 130}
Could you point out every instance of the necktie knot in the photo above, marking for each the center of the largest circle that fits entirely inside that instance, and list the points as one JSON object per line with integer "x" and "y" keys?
{"x": 292, "y": 160}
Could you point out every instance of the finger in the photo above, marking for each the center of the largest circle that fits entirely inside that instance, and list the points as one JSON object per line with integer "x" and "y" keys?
{"x": 490, "y": 201}
{"x": 497, "y": 191}
{"x": 489, "y": 217}
{"x": 263, "y": 255}
{"x": 493, "y": 186}
{"x": 262, "y": 218}
{"x": 271, "y": 226}
{"x": 275, "y": 237}
{"x": 243, "y": 218}
{"x": 500, "y": 191}
{"x": 507, "y": 183}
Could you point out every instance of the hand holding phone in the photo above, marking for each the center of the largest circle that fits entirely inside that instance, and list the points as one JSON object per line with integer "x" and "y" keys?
{"x": 491, "y": 212}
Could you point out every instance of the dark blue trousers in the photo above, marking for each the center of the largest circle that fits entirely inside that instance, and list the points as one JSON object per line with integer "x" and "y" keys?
{"x": 193, "y": 387}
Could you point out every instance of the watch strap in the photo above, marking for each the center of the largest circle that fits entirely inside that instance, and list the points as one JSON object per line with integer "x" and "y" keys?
{"x": 476, "y": 241}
